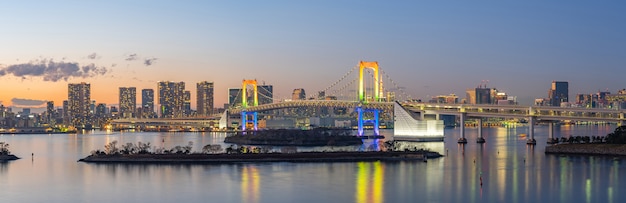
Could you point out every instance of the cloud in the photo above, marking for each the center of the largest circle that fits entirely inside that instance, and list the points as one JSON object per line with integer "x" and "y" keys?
{"x": 27, "y": 102}
{"x": 53, "y": 71}
{"x": 149, "y": 61}
{"x": 132, "y": 57}
{"x": 93, "y": 56}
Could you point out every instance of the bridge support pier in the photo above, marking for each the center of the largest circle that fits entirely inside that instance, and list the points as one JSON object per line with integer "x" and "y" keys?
{"x": 480, "y": 131}
{"x": 361, "y": 120}
{"x": 462, "y": 140}
{"x": 531, "y": 131}
{"x": 551, "y": 139}
{"x": 244, "y": 120}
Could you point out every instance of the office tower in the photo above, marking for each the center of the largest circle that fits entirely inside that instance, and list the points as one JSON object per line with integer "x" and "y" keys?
{"x": 558, "y": 93}
{"x": 187, "y": 103}
{"x": 298, "y": 94}
{"x": 79, "y": 101}
{"x": 101, "y": 111}
{"x": 147, "y": 103}
{"x": 171, "y": 99}
{"x": 128, "y": 102}
{"x": 204, "y": 98}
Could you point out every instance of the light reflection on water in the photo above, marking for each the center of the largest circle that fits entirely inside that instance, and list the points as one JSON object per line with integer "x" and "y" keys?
{"x": 511, "y": 171}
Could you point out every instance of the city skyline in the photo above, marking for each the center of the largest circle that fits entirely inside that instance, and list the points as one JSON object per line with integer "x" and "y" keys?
{"x": 430, "y": 48}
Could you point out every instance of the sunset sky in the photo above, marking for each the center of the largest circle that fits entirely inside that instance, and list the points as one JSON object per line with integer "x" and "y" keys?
{"x": 429, "y": 47}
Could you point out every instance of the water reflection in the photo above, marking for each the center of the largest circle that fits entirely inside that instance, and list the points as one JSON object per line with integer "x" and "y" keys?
{"x": 369, "y": 182}
{"x": 250, "y": 183}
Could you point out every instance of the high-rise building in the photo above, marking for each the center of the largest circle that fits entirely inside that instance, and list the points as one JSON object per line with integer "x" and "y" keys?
{"x": 204, "y": 98}
{"x": 79, "y": 102}
{"x": 298, "y": 94}
{"x": 147, "y": 103}
{"x": 171, "y": 99}
{"x": 187, "y": 103}
{"x": 65, "y": 114}
{"x": 559, "y": 93}
{"x": 50, "y": 118}
{"x": 128, "y": 102}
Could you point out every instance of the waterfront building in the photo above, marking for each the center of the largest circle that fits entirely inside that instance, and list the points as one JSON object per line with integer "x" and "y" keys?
{"x": 558, "y": 93}
{"x": 78, "y": 106}
{"x": 171, "y": 99}
{"x": 127, "y": 102}
{"x": 204, "y": 98}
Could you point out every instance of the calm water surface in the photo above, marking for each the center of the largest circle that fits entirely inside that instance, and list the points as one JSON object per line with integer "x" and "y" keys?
{"x": 510, "y": 171}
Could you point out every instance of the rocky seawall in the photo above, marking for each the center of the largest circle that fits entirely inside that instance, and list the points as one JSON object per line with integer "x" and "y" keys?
{"x": 262, "y": 157}
{"x": 588, "y": 149}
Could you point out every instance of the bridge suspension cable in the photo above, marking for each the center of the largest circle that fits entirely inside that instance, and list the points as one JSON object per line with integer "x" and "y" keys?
{"x": 341, "y": 91}
{"x": 264, "y": 95}
{"x": 395, "y": 86}
{"x": 339, "y": 81}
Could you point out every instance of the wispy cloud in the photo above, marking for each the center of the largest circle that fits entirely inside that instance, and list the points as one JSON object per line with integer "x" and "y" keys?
{"x": 21, "y": 102}
{"x": 149, "y": 61}
{"x": 93, "y": 56}
{"x": 132, "y": 57}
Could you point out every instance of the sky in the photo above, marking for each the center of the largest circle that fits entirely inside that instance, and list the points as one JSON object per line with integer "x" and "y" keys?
{"x": 427, "y": 47}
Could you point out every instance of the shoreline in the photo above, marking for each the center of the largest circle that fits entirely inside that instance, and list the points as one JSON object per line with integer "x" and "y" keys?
{"x": 263, "y": 157}
{"x": 588, "y": 149}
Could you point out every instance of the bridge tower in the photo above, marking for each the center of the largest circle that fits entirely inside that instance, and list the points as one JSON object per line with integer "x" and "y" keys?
{"x": 378, "y": 84}
{"x": 244, "y": 104}
{"x": 363, "y": 98}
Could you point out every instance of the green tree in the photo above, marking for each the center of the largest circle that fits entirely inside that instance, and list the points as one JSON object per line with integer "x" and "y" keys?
{"x": 4, "y": 148}
{"x": 618, "y": 136}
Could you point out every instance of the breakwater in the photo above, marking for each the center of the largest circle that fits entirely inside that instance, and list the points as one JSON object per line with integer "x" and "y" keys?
{"x": 588, "y": 149}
